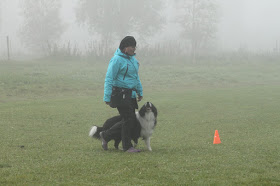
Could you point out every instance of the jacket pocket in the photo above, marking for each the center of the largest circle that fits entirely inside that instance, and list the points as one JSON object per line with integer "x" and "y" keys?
{"x": 125, "y": 72}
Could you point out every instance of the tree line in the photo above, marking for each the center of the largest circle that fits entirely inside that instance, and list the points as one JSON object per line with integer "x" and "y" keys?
{"x": 111, "y": 20}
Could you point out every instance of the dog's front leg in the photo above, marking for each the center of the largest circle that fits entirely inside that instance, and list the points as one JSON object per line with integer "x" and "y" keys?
{"x": 148, "y": 141}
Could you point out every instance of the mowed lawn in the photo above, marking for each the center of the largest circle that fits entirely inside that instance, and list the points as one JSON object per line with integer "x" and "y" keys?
{"x": 48, "y": 107}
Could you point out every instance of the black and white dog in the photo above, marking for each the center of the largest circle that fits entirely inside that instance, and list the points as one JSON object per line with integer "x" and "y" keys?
{"x": 144, "y": 127}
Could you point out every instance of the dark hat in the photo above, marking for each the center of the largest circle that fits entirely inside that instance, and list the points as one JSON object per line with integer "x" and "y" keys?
{"x": 127, "y": 41}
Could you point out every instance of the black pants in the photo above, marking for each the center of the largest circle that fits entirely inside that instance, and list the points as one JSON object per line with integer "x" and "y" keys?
{"x": 125, "y": 126}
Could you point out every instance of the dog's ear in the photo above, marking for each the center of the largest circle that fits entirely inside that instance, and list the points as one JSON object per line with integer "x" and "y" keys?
{"x": 142, "y": 111}
{"x": 155, "y": 123}
{"x": 154, "y": 109}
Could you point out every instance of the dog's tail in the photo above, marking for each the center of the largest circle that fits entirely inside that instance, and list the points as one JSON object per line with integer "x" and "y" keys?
{"x": 94, "y": 132}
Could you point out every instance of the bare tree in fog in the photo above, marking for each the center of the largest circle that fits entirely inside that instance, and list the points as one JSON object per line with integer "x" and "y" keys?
{"x": 42, "y": 25}
{"x": 113, "y": 19}
{"x": 199, "y": 21}
{"x": 0, "y": 15}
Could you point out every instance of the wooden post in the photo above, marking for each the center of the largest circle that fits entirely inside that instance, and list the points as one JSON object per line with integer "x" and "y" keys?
{"x": 8, "y": 48}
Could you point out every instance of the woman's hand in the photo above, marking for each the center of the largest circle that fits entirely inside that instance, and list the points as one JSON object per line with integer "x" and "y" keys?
{"x": 140, "y": 98}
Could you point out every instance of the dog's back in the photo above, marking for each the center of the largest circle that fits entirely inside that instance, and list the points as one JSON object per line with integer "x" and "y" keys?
{"x": 95, "y": 130}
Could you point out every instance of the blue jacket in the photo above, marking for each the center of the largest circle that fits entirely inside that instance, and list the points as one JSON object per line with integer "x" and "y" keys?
{"x": 122, "y": 72}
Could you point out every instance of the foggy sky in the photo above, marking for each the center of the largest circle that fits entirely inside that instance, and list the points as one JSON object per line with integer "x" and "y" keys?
{"x": 253, "y": 24}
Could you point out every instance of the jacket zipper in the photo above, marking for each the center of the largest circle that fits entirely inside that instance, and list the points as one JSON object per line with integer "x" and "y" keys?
{"x": 125, "y": 72}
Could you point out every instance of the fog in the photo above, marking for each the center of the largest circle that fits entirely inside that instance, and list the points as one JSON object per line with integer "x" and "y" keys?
{"x": 250, "y": 24}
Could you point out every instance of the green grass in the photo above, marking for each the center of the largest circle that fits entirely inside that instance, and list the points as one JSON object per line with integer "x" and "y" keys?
{"x": 47, "y": 109}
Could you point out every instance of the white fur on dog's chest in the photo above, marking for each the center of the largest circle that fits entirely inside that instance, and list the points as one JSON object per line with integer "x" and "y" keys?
{"x": 147, "y": 123}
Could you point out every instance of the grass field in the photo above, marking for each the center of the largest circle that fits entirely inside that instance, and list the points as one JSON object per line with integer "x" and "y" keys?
{"x": 47, "y": 109}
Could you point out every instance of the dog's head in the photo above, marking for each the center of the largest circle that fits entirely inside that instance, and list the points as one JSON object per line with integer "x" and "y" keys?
{"x": 146, "y": 108}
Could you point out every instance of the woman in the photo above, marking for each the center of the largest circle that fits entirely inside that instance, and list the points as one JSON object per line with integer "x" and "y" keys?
{"x": 121, "y": 85}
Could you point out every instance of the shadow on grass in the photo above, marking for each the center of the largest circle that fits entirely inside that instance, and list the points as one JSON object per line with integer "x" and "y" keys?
{"x": 5, "y": 166}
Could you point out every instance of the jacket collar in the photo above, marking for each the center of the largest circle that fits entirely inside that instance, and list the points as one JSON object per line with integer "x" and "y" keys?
{"x": 120, "y": 53}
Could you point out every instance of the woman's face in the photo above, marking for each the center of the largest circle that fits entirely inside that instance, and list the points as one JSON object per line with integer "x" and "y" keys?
{"x": 130, "y": 50}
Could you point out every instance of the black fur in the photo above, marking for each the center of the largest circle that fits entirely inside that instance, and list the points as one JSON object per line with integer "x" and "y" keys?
{"x": 135, "y": 130}
{"x": 146, "y": 106}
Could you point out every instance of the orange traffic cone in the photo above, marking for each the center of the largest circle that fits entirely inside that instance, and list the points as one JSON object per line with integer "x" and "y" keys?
{"x": 216, "y": 138}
